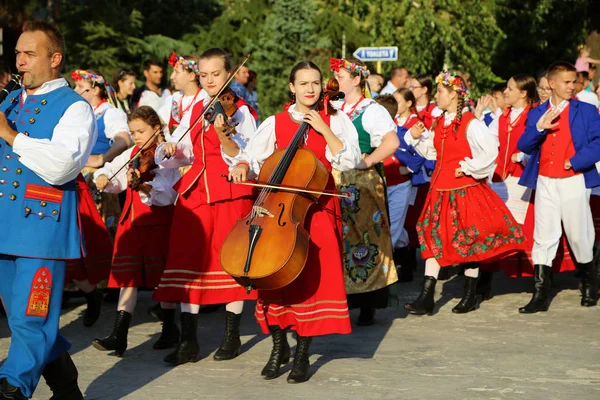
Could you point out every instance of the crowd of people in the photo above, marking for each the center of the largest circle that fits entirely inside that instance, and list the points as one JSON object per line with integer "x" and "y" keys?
{"x": 140, "y": 188}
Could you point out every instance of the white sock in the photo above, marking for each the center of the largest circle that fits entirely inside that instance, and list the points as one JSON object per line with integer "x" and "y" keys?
{"x": 190, "y": 308}
{"x": 432, "y": 268}
{"x": 235, "y": 307}
{"x": 472, "y": 272}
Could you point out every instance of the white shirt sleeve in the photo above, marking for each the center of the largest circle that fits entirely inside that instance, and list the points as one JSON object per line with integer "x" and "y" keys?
{"x": 162, "y": 192}
{"x": 484, "y": 148}
{"x": 424, "y": 145}
{"x": 119, "y": 182}
{"x": 349, "y": 155}
{"x": 377, "y": 122}
{"x": 259, "y": 148}
{"x": 115, "y": 121}
{"x": 494, "y": 126}
{"x": 164, "y": 112}
{"x": 151, "y": 99}
{"x": 245, "y": 130}
{"x": 60, "y": 159}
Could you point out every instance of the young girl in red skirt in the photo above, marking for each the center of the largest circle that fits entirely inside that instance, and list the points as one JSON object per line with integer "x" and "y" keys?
{"x": 463, "y": 221}
{"x": 206, "y": 211}
{"x": 143, "y": 232}
{"x": 315, "y": 303}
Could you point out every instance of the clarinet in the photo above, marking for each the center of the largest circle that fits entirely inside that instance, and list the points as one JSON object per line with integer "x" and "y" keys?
{"x": 14, "y": 83}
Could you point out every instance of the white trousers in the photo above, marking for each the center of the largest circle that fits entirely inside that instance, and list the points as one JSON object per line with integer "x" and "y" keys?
{"x": 398, "y": 201}
{"x": 566, "y": 200}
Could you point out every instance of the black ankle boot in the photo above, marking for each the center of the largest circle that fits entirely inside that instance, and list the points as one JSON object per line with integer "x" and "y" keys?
{"x": 94, "y": 305}
{"x": 187, "y": 350}
{"x": 231, "y": 343}
{"x": 280, "y": 355}
{"x": 424, "y": 303}
{"x": 484, "y": 285}
{"x": 61, "y": 376}
{"x": 366, "y": 316}
{"x": 589, "y": 284}
{"x": 541, "y": 297}
{"x": 170, "y": 334}
{"x": 10, "y": 392}
{"x": 117, "y": 340}
{"x": 301, "y": 367}
{"x": 404, "y": 264}
{"x": 469, "y": 300}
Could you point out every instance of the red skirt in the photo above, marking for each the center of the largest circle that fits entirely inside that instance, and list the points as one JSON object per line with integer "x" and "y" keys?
{"x": 95, "y": 266}
{"x": 314, "y": 304}
{"x": 193, "y": 273}
{"x": 413, "y": 213}
{"x": 471, "y": 224}
{"x": 520, "y": 264}
{"x": 140, "y": 255}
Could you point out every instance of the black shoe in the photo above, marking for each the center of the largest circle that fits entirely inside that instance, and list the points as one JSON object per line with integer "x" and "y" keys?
{"x": 231, "y": 343}
{"x": 403, "y": 258}
{"x": 156, "y": 312}
{"x": 366, "y": 316}
{"x": 589, "y": 284}
{"x": 187, "y": 350}
{"x": 280, "y": 354}
{"x": 469, "y": 300}
{"x": 301, "y": 367}
{"x": 424, "y": 303}
{"x": 170, "y": 334}
{"x": 10, "y": 392}
{"x": 94, "y": 306}
{"x": 541, "y": 297}
{"x": 117, "y": 340}
{"x": 210, "y": 308}
{"x": 484, "y": 285}
{"x": 61, "y": 376}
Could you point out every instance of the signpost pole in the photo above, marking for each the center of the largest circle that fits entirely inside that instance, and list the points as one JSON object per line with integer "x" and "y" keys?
{"x": 378, "y": 67}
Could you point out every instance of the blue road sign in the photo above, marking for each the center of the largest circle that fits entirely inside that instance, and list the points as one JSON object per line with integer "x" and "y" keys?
{"x": 376, "y": 53}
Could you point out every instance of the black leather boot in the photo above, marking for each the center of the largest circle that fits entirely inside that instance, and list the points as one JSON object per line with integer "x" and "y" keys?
{"x": 541, "y": 297}
{"x": 404, "y": 264}
{"x": 231, "y": 343}
{"x": 424, "y": 303}
{"x": 94, "y": 305}
{"x": 170, "y": 334}
{"x": 187, "y": 350}
{"x": 61, "y": 376}
{"x": 10, "y": 392}
{"x": 366, "y": 316}
{"x": 280, "y": 354}
{"x": 301, "y": 367}
{"x": 117, "y": 340}
{"x": 484, "y": 285}
{"x": 469, "y": 300}
{"x": 589, "y": 284}
{"x": 156, "y": 312}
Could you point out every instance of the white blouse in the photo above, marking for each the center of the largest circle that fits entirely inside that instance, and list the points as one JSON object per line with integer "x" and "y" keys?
{"x": 162, "y": 193}
{"x": 494, "y": 127}
{"x": 185, "y": 103}
{"x": 483, "y": 143}
{"x": 264, "y": 143}
{"x": 245, "y": 128}
{"x": 376, "y": 120}
{"x": 115, "y": 120}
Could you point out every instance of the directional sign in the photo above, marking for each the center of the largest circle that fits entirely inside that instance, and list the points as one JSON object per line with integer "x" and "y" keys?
{"x": 376, "y": 53}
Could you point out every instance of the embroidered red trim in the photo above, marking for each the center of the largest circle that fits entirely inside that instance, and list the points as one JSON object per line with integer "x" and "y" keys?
{"x": 43, "y": 193}
{"x": 39, "y": 294}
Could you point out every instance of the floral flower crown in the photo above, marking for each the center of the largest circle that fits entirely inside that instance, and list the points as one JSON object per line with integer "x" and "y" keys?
{"x": 175, "y": 60}
{"x": 455, "y": 82}
{"x": 335, "y": 64}
{"x": 80, "y": 74}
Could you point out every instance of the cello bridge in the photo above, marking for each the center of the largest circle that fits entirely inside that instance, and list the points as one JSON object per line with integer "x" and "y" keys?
{"x": 262, "y": 212}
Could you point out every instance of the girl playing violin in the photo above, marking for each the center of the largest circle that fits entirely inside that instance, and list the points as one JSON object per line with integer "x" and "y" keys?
{"x": 143, "y": 232}
{"x": 206, "y": 211}
{"x": 314, "y": 304}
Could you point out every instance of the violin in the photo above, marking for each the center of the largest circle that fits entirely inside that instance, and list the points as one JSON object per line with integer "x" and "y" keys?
{"x": 144, "y": 163}
{"x": 225, "y": 106}
{"x": 269, "y": 248}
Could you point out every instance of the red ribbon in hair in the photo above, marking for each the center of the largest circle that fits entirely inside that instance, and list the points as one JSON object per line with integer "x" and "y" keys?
{"x": 173, "y": 59}
{"x": 336, "y": 63}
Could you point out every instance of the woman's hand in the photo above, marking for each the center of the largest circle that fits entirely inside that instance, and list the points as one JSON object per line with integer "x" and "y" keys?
{"x": 102, "y": 182}
{"x": 170, "y": 149}
{"x": 239, "y": 173}
{"x": 459, "y": 172}
{"x": 221, "y": 127}
{"x": 130, "y": 175}
{"x": 416, "y": 131}
{"x": 314, "y": 119}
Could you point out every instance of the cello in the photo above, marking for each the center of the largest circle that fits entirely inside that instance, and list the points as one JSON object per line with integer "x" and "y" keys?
{"x": 268, "y": 249}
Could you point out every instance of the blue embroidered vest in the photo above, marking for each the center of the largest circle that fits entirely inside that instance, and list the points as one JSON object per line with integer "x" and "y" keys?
{"x": 102, "y": 143}
{"x": 38, "y": 220}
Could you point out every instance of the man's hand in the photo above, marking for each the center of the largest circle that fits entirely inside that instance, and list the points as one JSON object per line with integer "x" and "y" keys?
{"x": 545, "y": 121}
{"x": 6, "y": 132}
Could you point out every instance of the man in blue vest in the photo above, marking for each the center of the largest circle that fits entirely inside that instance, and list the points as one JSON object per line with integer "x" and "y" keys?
{"x": 46, "y": 134}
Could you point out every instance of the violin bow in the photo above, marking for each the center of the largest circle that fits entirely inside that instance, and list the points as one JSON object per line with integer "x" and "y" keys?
{"x": 288, "y": 188}
{"x": 215, "y": 98}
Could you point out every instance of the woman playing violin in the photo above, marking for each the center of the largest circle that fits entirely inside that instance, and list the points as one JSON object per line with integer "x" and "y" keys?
{"x": 142, "y": 238}
{"x": 314, "y": 304}
{"x": 206, "y": 210}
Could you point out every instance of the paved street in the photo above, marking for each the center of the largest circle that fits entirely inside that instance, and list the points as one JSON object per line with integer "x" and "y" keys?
{"x": 493, "y": 353}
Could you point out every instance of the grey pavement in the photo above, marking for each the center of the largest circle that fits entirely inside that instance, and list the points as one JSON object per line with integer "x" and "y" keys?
{"x": 492, "y": 353}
